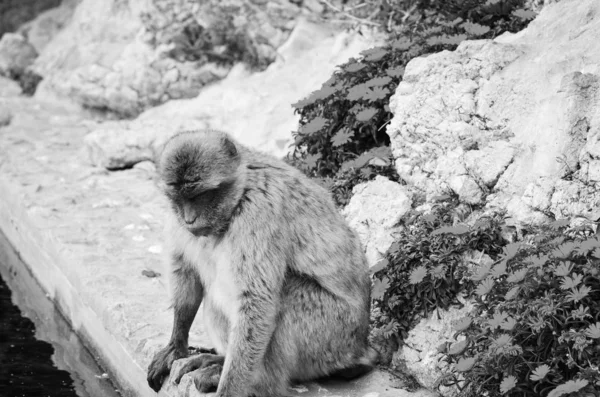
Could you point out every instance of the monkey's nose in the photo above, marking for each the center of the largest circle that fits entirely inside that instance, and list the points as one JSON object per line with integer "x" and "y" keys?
{"x": 189, "y": 219}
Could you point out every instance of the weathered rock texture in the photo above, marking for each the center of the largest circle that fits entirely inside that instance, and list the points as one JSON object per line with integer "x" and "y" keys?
{"x": 374, "y": 211}
{"x": 130, "y": 55}
{"x": 13, "y": 13}
{"x": 41, "y": 30}
{"x": 16, "y": 54}
{"x": 255, "y": 108}
{"x": 508, "y": 123}
{"x": 511, "y": 123}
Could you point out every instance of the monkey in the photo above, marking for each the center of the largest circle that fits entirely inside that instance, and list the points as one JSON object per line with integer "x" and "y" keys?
{"x": 282, "y": 279}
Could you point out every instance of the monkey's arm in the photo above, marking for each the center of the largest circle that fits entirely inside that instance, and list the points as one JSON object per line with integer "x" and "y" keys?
{"x": 261, "y": 279}
{"x": 187, "y": 296}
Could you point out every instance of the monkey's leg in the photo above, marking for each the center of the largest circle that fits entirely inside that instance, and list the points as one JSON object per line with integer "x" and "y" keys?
{"x": 187, "y": 296}
{"x": 199, "y": 361}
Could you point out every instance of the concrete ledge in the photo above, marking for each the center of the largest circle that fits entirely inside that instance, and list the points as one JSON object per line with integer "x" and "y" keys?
{"x": 37, "y": 250}
{"x": 87, "y": 236}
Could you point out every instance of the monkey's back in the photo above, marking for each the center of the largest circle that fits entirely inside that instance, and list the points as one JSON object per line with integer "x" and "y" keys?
{"x": 317, "y": 240}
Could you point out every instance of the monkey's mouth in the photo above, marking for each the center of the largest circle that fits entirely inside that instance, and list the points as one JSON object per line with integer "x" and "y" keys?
{"x": 200, "y": 231}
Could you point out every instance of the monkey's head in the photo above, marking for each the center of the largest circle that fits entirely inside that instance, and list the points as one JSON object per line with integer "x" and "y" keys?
{"x": 200, "y": 176}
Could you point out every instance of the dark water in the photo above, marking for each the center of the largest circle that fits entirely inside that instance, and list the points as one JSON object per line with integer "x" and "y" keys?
{"x": 39, "y": 353}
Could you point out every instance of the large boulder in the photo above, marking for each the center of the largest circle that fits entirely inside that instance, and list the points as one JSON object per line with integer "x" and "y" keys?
{"x": 16, "y": 54}
{"x": 508, "y": 123}
{"x": 255, "y": 108}
{"x": 129, "y": 55}
{"x": 374, "y": 211}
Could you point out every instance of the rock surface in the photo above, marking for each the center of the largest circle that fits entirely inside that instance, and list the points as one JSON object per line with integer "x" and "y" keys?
{"x": 40, "y": 31}
{"x": 508, "y": 123}
{"x": 9, "y": 87}
{"x": 255, "y": 108}
{"x": 374, "y": 211}
{"x": 127, "y": 56}
{"x": 16, "y": 54}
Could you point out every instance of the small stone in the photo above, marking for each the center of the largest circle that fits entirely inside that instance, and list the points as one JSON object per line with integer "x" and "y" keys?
{"x": 5, "y": 117}
{"x": 16, "y": 54}
{"x": 155, "y": 249}
{"x": 150, "y": 273}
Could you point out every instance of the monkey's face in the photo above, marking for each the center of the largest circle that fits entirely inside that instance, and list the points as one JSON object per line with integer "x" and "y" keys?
{"x": 199, "y": 175}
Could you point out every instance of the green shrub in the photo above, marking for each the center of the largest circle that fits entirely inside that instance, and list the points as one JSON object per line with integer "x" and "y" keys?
{"x": 424, "y": 268}
{"x": 346, "y": 117}
{"x": 535, "y": 330}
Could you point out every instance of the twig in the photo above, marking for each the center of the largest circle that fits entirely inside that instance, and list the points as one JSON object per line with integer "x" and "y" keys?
{"x": 366, "y": 22}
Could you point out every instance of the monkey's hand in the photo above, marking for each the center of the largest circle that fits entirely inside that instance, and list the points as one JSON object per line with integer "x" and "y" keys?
{"x": 205, "y": 370}
{"x": 161, "y": 364}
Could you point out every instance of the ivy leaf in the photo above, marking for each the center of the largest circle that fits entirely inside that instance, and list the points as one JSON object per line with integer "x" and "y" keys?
{"x": 571, "y": 282}
{"x": 482, "y": 272}
{"x": 457, "y": 230}
{"x": 462, "y": 324}
{"x": 378, "y": 81}
{"x": 512, "y": 293}
{"x": 402, "y": 44}
{"x": 568, "y": 387}
{"x": 376, "y": 94}
{"x": 578, "y": 294}
{"x": 311, "y": 160}
{"x": 374, "y": 54}
{"x": 382, "y": 264}
{"x": 485, "y": 286}
{"x": 517, "y": 276}
{"x": 540, "y": 373}
{"x": 355, "y": 67}
{"x": 564, "y": 269}
{"x": 498, "y": 319}
{"x": 398, "y": 71}
{"x": 341, "y": 137}
{"x": 379, "y": 288}
{"x": 510, "y": 251}
{"x": 417, "y": 275}
{"x": 593, "y": 331}
{"x": 357, "y": 92}
{"x": 559, "y": 224}
{"x": 314, "y": 125}
{"x": 465, "y": 364}
{"x": 507, "y": 384}
{"x": 524, "y": 14}
{"x": 508, "y": 324}
{"x": 366, "y": 114}
{"x": 458, "y": 347}
{"x": 501, "y": 341}
{"x": 499, "y": 269}
{"x": 475, "y": 29}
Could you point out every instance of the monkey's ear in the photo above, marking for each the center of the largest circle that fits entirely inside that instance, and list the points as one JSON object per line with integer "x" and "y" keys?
{"x": 229, "y": 146}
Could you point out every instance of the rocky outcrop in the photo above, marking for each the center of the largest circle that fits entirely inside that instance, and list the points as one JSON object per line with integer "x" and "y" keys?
{"x": 255, "y": 108}
{"x": 16, "y": 54}
{"x": 508, "y": 123}
{"x": 40, "y": 31}
{"x": 127, "y": 56}
{"x": 374, "y": 211}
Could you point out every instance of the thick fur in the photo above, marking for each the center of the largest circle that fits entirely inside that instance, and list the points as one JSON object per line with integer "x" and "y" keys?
{"x": 282, "y": 277}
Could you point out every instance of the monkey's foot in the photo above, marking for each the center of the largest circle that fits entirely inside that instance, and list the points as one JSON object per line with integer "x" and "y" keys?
{"x": 207, "y": 379}
{"x": 161, "y": 364}
{"x": 196, "y": 364}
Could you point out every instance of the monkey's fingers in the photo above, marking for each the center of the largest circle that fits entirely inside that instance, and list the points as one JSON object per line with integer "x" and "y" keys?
{"x": 207, "y": 379}
{"x": 156, "y": 378}
{"x": 196, "y": 362}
